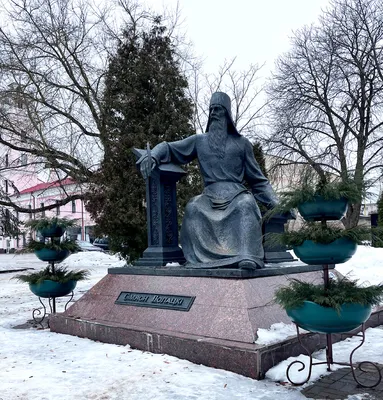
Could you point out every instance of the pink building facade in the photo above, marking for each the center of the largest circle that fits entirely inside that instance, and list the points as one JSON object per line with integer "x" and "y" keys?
{"x": 44, "y": 194}
{"x": 25, "y": 180}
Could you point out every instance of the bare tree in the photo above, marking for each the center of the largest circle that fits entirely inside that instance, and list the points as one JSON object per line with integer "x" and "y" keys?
{"x": 327, "y": 96}
{"x": 53, "y": 58}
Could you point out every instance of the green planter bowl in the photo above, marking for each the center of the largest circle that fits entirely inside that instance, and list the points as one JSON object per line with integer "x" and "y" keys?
{"x": 52, "y": 255}
{"x": 336, "y": 252}
{"x": 52, "y": 231}
{"x": 50, "y": 288}
{"x": 315, "y": 318}
{"x": 320, "y": 208}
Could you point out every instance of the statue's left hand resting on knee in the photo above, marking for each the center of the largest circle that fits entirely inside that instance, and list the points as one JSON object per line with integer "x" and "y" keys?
{"x": 222, "y": 227}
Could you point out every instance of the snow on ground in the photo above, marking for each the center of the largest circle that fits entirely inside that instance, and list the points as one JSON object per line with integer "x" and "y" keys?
{"x": 278, "y": 373}
{"x": 9, "y": 262}
{"x": 372, "y": 350}
{"x": 277, "y": 333}
{"x": 366, "y": 265}
{"x": 40, "y": 365}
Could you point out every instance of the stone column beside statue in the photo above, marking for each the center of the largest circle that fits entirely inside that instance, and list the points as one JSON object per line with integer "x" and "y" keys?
{"x": 162, "y": 222}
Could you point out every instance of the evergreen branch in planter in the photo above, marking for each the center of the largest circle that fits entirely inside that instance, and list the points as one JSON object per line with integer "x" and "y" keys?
{"x": 56, "y": 245}
{"x": 319, "y": 233}
{"x": 338, "y": 293}
{"x": 308, "y": 191}
{"x": 44, "y": 223}
{"x": 60, "y": 275}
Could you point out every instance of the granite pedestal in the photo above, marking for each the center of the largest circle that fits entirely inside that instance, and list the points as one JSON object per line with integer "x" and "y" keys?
{"x": 219, "y": 329}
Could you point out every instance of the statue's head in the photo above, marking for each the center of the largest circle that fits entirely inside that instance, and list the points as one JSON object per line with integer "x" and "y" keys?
{"x": 223, "y": 100}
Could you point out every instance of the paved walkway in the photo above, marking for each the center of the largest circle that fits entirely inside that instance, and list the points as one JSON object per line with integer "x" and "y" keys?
{"x": 340, "y": 385}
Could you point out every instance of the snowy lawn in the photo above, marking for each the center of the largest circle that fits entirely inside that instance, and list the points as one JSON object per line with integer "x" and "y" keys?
{"x": 40, "y": 365}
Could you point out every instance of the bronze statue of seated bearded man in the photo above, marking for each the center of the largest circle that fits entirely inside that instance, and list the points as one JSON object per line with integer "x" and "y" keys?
{"x": 222, "y": 227}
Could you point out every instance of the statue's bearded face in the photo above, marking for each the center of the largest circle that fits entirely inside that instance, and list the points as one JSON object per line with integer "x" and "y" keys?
{"x": 217, "y": 134}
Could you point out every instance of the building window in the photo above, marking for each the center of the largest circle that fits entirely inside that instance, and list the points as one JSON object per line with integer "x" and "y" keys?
{"x": 42, "y": 212}
{"x": 30, "y": 211}
{"x": 6, "y": 160}
{"x": 57, "y": 208}
{"x": 23, "y": 159}
{"x": 73, "y": 206}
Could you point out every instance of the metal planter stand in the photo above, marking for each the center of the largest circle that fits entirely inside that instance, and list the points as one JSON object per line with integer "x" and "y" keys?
{"x": 329, "y": 351}
{"x": 38, "y": 315}
{"x": 329, "y": 354}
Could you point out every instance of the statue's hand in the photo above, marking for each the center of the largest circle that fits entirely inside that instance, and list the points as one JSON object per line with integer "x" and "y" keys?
{"x": 146, "y": 167}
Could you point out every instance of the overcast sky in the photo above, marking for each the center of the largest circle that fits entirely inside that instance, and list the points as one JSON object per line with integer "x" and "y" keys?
{"x": 254, "y": 31}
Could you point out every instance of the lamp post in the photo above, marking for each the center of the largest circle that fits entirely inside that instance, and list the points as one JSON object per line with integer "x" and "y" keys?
{"x": 82, "y": 221}
{"x": 33, "y": 213}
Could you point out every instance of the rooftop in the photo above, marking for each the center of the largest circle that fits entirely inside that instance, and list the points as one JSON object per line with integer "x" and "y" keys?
{"x": 48, "y": 185}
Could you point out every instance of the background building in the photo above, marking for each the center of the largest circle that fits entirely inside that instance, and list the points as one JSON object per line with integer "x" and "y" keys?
{"x": 48, "y": 193}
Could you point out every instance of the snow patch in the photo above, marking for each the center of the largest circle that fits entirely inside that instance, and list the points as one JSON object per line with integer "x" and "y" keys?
{"x": 277, "y": 333}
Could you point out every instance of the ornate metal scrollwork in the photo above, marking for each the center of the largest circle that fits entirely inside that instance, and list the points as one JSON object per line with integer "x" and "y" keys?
{"x": 70, "y": 299}
{"x": 303, "y": 365}
{"x": 363, "y": 363}
{"x": 36, "y": 313}
{"x": 329, "y": 361}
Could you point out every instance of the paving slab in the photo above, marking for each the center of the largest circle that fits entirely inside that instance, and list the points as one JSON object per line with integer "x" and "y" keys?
{"x": 340, "y": 385}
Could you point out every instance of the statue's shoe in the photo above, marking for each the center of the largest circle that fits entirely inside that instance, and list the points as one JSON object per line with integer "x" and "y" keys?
{"x": 248, "y": 264}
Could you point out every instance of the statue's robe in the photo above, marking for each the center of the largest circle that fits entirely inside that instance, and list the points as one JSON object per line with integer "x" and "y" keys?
{"x": 222, "y": 226}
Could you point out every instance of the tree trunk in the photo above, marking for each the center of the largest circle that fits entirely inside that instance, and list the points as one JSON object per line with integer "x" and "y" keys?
{"x": 352, "y": 216}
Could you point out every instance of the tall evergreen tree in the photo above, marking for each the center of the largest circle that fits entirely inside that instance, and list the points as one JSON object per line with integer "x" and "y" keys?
{"x": 144, "y": 101}
{"x": 260, "y": 157}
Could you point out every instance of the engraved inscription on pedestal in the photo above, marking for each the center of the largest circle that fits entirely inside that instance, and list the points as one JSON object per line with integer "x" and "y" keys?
{"x": 153, "y": 300}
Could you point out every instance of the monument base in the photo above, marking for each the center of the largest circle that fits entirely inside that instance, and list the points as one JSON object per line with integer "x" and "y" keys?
{"x": 246, "y": 359}
{"x": 278, "y": 257}
{"x": 207, "y": 320}
{"x": 228, "y": 272}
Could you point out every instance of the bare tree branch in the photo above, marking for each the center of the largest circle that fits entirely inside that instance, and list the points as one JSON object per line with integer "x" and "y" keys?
{"x": 326, "y": 97}
{"x": 241, "y": 86}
